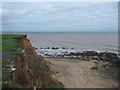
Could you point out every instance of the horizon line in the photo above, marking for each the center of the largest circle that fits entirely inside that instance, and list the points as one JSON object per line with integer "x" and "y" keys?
{"x": 59, "y": 31}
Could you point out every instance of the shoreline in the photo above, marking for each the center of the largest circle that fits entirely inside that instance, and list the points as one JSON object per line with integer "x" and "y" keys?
{"x": 71, "y": 53}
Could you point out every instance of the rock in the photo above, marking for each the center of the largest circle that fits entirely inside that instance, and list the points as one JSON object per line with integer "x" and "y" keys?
{"x": 95, "y": 61}
{"x": 94, "y": 68}
{"x": 85, "y": 55}
{"x": 107, "y": 56}
{"x": 48, "y": 47}
{"x": 89, "y": 53}
{"x": 80, "y": 57}
{"x": 53, "y": 76}
{"x": 23, "y": 51}
{"x": 96, "y": 58}
{"x": 86, "y": 58}
{"x": 63, "y": 47}
{"x": 57, "y": 72}
{"x": 55, "y": 48}
{"x": 117, "y": 63}
{"x": 35, "y": 48}
{"x": 67, "y": 57}
{"x": 72, "y": 54}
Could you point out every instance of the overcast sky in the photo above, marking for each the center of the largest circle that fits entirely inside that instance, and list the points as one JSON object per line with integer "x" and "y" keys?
{"x": 66, "y": 16}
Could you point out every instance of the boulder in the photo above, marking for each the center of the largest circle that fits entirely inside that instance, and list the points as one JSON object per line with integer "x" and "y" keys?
{"x": 107, "y": 56}
{"x": 94, "y": 68}
{"x": 89, "y": 53}
{"x": 48, "y": 47}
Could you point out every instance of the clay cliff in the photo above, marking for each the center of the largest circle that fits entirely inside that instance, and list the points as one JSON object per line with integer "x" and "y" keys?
{"x": 32, "y": 70}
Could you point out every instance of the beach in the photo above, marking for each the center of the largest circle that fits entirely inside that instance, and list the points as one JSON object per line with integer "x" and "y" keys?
{"x": 75, "y": 73}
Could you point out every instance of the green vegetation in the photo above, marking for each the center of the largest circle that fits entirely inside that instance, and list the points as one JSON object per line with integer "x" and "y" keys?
{"x": 0, "y": 44}
{"x": 8, "y": 43}
{"x": 6, "y": 85}
{"x": 59, "y": 85}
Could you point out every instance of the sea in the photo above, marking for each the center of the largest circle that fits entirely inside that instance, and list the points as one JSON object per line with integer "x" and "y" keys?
{"x": 98, "y": 41}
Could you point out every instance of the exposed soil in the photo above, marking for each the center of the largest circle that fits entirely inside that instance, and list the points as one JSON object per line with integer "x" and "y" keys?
{"x": 31, "y": 70}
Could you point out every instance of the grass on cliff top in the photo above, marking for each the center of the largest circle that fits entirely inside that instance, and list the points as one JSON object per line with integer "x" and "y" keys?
{"x": 8, "y": 43}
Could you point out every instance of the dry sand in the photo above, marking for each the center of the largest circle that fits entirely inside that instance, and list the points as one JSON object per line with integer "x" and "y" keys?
{"x": 77, "y": 74}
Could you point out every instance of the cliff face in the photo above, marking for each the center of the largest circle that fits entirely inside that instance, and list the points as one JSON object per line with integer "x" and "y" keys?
{"x": 32, "y": 70}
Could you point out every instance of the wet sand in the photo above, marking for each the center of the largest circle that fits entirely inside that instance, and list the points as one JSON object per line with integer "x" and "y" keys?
{"x": 77, "y": 74}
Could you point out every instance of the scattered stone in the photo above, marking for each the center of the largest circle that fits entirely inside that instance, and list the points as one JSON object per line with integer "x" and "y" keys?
{"x": 41, "y": 48}
{"x": 64, "y": 48}
{"x": 57, "y": 72}
{"x": 81, "y": 55}
{"x": 94, "y": 68}
{"x": 55, "y": 48}
{"x": 95, "y": 61}
{"x": 53, "y": 76}
{"x": 35, "y": 48}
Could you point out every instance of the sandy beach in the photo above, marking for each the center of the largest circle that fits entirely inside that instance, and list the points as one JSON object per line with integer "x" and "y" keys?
{"x": 78, "y": 74}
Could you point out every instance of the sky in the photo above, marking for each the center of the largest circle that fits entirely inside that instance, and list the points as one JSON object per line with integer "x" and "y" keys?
{"x": 59, "y": 16}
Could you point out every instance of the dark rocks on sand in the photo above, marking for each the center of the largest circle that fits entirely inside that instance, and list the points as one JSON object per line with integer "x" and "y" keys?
{"x": 94, "y": 68}
{"x": 60, "y": 56}
{"x": 64, "y": 48}
{"x": 55, "y": 48}
{"x": 107, "y": 56}
{"x": 82, "y": 55}
{"x": 35, "y": 48}
{"x": 72, "y": 54}
{"x": 89, "y": 53}
{"x": 48, "y": 47}
{"x": 93, "y": 55}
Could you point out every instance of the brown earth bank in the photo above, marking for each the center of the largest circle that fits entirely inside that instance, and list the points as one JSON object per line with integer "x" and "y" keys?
{"x": 32, "y": 70}
{"x": 86, "y": 74}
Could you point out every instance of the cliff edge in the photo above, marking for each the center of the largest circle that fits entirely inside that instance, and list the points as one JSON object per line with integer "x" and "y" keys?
{"x": 30, "y": 70}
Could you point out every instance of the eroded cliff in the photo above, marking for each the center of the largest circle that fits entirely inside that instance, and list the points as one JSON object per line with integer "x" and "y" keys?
{"x": 32, "y": 70}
